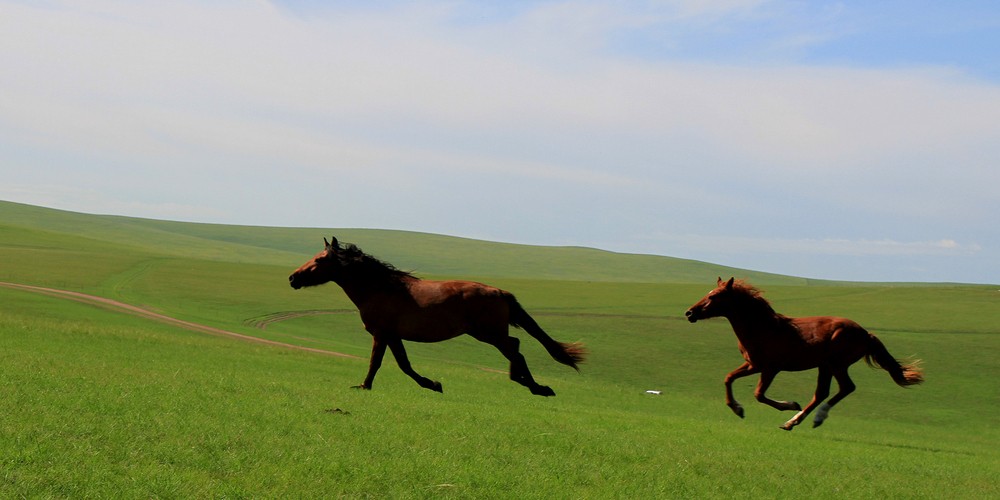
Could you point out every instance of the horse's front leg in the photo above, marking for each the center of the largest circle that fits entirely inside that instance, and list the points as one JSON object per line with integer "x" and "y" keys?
{"x": 744, "y": 370}
{"x": 396, "y": 345}
{"x": 378, "y": 351}
{"x": 766, "y": 377}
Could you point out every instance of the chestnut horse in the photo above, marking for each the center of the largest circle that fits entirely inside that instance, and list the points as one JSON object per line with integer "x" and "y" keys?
{"x": 397, "y": 306}
{"x": 771, "y": 342}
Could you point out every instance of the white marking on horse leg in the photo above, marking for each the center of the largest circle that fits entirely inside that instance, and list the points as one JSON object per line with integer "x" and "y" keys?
{"x": 821, "y": 413}
{"x": 792, "y": 422}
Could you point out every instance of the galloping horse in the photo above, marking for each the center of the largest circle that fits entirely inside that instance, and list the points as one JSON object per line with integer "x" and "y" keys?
{"x": 397, "y": 306}
{"x": 771, "y": 342}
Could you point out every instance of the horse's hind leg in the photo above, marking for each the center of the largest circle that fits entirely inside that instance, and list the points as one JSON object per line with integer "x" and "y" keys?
{"x": 822, "y": 391}
{"x": 845, "y": 386}
{"x": 396, "y": 346}
{"x": 509, "y": 347}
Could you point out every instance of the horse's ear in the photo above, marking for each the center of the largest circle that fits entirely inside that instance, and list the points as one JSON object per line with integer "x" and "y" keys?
{"x": 331, "y": 245}
{"x": 729, "y": 284}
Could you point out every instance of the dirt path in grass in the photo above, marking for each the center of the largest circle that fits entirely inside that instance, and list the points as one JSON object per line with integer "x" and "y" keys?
{"x": 115, "y": 305}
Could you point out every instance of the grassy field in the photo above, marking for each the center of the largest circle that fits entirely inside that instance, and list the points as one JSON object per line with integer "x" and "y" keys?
{"x": 98, "y": 403}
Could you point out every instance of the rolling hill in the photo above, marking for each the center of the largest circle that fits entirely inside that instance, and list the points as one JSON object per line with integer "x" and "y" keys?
{"x": 426, "y": 254}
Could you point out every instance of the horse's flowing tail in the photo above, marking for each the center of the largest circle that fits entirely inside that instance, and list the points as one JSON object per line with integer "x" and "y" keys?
{"x": 903, "y": 374}
{"x": 566, "y": 353}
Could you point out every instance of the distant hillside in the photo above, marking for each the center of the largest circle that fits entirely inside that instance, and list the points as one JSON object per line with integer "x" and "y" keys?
{"x": 426, "y": 254}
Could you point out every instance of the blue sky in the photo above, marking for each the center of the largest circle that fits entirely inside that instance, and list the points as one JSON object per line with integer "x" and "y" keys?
{"x": 841, "y": 140}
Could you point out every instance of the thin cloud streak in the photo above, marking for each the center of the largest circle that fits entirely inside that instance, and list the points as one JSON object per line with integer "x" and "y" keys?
{"x": 831, "y": 246}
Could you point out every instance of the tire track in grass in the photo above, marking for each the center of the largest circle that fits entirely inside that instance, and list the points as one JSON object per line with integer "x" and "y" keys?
{"x": 262, "y": 322}
{"x": 115, "y": 305}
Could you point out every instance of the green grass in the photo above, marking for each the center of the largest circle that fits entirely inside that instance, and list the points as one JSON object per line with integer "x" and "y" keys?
{"x": 97, "y": 403}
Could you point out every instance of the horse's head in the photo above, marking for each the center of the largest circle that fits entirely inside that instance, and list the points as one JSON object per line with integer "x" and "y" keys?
{"x": 715, "y": 304}
{"x": 320, "y": 269}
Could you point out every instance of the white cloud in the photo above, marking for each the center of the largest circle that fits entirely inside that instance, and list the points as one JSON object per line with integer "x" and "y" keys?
{"x": 166, "y": 69}
{"x": 246, "y": 96}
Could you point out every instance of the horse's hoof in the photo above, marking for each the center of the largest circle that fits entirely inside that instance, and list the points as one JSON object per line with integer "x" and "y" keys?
{"x": 543, "y": 390}
{"x": 362, "y": 386}
{"x": 790, "y": 425}
{"x": 817, "y": 423}
{"x": 436, "y": 387}
{"x": 796, "y": 407}
{"x": 738, "y": 410}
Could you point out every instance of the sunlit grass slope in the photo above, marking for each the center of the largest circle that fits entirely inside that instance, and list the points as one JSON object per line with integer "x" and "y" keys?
{"x": 97, "y": 403}
{"x": 100, "y": 404}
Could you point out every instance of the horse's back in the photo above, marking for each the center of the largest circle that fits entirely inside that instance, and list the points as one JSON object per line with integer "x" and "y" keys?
{"x": 833, "y": 338}
{"x": 457, "y": 293}
{"x": 446, "y": 309}
{"x": 823, "y": 328}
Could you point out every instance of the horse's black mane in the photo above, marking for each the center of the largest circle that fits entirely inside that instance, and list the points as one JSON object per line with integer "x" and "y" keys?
{"x": 355, "y": 261}
{"x": 755, "y": 295}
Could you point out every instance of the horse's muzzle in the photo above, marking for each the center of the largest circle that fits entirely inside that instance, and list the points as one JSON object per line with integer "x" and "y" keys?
{"x": 689, "y": 314}
{"x": 293, "y": 282}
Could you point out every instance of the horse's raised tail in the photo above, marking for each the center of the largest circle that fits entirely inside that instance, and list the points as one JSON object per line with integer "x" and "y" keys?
{"x": 566, "y": 353}
{"x": 903, "y": 374}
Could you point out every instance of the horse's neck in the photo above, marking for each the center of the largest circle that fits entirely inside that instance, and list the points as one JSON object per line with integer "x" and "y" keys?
{"x": 750, "y": 325}
{"x": 361, "y": 291}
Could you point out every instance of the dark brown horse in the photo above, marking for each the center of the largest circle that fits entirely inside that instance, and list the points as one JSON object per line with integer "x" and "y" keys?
{"x": 771, "y": 343}
{"x": 397, "y": 306}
